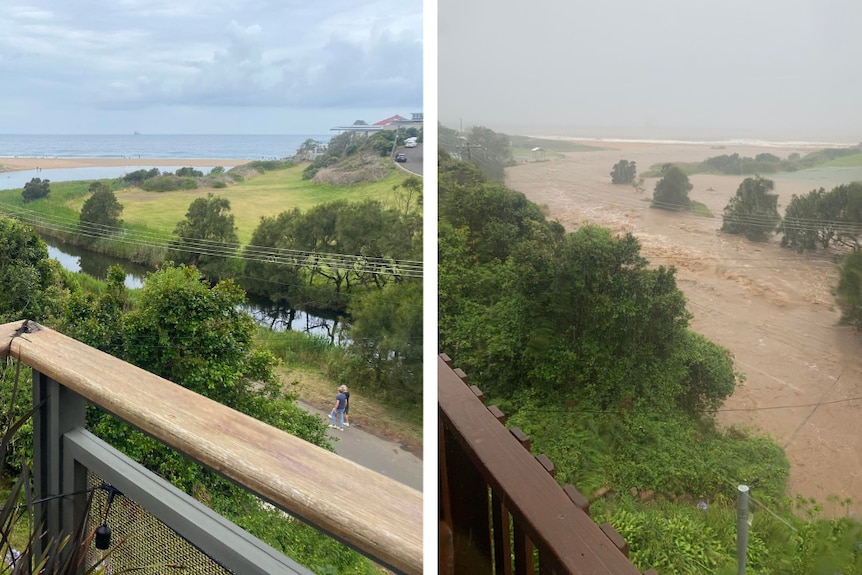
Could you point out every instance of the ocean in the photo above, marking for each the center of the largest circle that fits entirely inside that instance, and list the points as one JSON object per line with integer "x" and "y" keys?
{"x": 137, "y": 147}
{"x": 180, "y": 146}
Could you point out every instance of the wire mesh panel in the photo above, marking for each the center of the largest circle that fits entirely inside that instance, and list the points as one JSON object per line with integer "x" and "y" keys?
{"x": 139, "y": 542}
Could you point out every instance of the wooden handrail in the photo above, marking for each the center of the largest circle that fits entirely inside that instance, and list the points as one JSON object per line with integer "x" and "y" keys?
{"x": 371, "y": 512}
{"x": 561, "y": 531}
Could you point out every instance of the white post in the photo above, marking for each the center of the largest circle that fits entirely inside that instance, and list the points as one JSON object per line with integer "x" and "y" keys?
{"x": 741, "y": 528}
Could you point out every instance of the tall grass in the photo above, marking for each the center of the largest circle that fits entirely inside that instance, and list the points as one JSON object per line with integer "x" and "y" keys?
{"x": 299, "y": 349}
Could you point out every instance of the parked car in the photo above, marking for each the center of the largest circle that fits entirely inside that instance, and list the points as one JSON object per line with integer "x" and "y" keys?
{"x": 410, "y": 143}
{"x": 400, "y": 157}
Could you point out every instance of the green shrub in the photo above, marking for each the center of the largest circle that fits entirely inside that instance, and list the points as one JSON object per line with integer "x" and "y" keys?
{"x": 270, "y": 165}
{"x": 169, "y": 183}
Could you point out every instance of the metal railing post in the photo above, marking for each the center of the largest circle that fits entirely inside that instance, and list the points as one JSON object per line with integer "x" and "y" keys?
{"x": 60, "y": 410}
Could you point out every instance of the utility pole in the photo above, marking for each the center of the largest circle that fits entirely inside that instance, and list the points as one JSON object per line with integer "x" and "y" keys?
{"x": 741, "y": 528}
{"x": 468, "y": 146}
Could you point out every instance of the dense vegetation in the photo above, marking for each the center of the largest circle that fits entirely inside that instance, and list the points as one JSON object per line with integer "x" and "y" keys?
{"x": 493, "y": 151}
{"x": 671, "y": 191}
{"x": 823, "y": 219}
{"x": 765, "y": 163}
{"x": 753, "y": 211}
{"x": 35, "y": 189}
{"x": 100, "y": 214}
{"x": 586, "y": 347}
{"x": 183, "y": 329}
{"x": 338, "y": 256}
{"x": 624, "y": 172}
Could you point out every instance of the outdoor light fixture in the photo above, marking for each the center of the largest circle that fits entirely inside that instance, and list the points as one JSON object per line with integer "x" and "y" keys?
{"x": 103, "y": 532}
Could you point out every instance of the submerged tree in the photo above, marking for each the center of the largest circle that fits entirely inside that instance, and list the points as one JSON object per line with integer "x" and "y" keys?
{"x": 821, "y": 218}
{"x": 624, "y": 172}
{"x": 671, "y": 192}
{"x": 753, "y": 211}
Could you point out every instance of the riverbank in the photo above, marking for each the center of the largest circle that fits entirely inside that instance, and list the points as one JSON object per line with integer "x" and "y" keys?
{"x": 39, "y": 163}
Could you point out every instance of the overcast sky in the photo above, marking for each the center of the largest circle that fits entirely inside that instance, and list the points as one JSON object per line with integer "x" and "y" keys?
{"x": 206, "y": 66}
{"x": 686, "y": 69}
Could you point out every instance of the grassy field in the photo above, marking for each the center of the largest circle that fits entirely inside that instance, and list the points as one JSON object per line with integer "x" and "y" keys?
{"x": 266, "y": 194}
{"x": 853, "y": 161}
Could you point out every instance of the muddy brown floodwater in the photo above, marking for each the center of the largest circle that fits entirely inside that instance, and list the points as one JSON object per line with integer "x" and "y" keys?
{"x": 771, "y": 307}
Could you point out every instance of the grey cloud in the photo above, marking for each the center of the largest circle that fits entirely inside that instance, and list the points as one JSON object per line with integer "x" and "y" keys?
{"x": 383, "y": 70}
{"x": 136, "y": 58}
{"x": 666, "y": 68}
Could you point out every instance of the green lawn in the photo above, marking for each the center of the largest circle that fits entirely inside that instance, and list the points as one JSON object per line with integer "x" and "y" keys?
{"x": 266, "y": 194}
{"x": 853, "y": 161}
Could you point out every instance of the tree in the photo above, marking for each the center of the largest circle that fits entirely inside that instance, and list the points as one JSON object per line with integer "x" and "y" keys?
{"x": 490, "y": 150}
{"x": 307, "y": 150}
{"x": 189, "y": 172}
{"x": 272, "y": 268}
{"x": 824, "y": 218}
{"x": 753, "y": 211}
{"x": 101, "y": 212}
{"x": 207, "y": 236}
{"x": 849, "y": 291}
{"x": 849, "y": 226}
{"x": 386, "y": 334}
{"x": 671, "y": 192}
{"x": 35, "y": 189}
{"x": 624, "y": 172}
{"x": 799, "y": 228}
{"x": 375, "y": 233}
{"x": 31, "y": 284}
{"x": 407, "y": 196}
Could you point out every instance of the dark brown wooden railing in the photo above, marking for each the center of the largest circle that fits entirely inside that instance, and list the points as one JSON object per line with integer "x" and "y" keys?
{"x": 499, "y": 506}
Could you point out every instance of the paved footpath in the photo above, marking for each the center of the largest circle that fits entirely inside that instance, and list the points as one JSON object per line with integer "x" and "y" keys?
{"x": 383, "y": 456}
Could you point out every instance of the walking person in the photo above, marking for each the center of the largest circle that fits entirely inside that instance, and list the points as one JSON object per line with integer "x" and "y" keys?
{"x": 343, "y": 389}
{"x": 340, "y": 406}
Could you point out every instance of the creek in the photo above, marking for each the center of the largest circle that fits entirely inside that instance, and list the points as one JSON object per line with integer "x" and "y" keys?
{"x": 275, "y": 316}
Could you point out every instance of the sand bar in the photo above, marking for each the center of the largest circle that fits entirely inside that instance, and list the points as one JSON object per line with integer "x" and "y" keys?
{"x": 16, "y": 164}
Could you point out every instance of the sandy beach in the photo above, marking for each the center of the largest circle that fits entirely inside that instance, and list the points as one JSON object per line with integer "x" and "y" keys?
{"x": 16, "y": 164}
{"x": 771, "y": 307}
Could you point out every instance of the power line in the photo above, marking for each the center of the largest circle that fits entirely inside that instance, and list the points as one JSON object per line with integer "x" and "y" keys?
{"x": 250, "y": 252}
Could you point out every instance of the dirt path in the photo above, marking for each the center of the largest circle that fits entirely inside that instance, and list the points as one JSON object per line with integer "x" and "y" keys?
{"x": 771, "y": 307}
